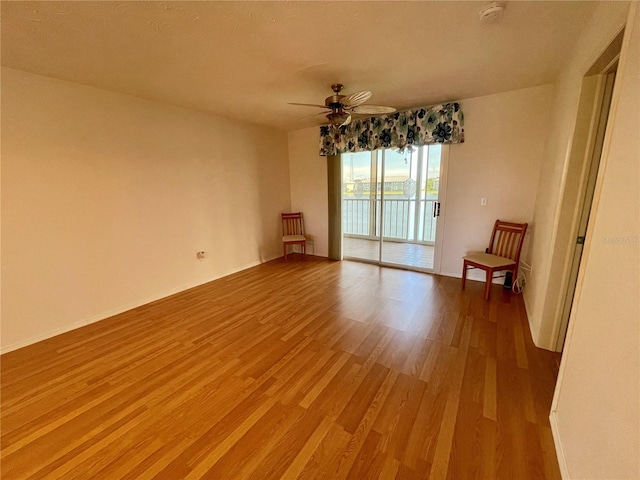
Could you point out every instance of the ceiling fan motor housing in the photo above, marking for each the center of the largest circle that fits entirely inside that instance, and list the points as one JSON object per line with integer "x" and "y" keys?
{"x": 335, "y": 101}
{"x": 338, "y": 118}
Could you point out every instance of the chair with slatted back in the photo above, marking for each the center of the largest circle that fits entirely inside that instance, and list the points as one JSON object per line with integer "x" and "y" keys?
{"x": 502, "y": 255}
{"x": 293, "y": 232}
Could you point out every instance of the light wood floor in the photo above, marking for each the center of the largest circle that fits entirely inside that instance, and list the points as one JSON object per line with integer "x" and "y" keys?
{"x": 309, "y": 369}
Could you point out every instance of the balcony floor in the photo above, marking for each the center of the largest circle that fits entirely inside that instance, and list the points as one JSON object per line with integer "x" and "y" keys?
{"x": 405, "y": 254}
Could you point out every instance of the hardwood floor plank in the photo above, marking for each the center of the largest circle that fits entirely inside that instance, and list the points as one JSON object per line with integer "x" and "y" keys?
{"x": 387, "y": 418}
{"x": 488, "y": 453}
{"x": 375, "y": 354}
{"x": 30, "y": 467}
{"x": 250, "y": 450}
{"x": 489, "y": 399}
{"x": 395, "y": 352}
{"x": 151, "y": 465}
{"x": 429, "y": 364}
{"x": 549, "y": 458}
{"x": 231, "y": 414}
{"x": 98, "y": 455}
{"x": 363, "y": 429}
{"x": 399, "y": 422}
{"x": 417, "y": 357}
{"x": 374, "y": 337}
{"x": 473, "y": 383}
{"x": 442, "y": 453}
{"x": 321, "y": 384}
{"x": 203, "y": 465}
{"x": 369, "y": 461}
{"x": 285, "y": 449}
{"x": 389, "y": 469}
{"x": 355, "y": 410}
{"x": 283, "y": 359}
{"x": 309, "y": 369}
{"x": 305, "y": 381}
{"x": 521, "y": 350}
{"x": 256, "y": 363}
{"x": 353, "y": 337}
{"x": 440, "y": 463}
{"x": 342, "y": 387}
{"x": 308, "y": 449}
{"x": 294, "y": 368}
{"x": 464, "y": 459}
{"x": 327, "y": 455}
{"x": 425, "y": 431}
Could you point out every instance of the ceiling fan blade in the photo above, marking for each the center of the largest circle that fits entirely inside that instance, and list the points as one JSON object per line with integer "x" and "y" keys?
{"x": 371, "y": 109}
{"x": 347, "y": 121}
{"x": 308, "y": 105}
{"x": 356, "y": 98}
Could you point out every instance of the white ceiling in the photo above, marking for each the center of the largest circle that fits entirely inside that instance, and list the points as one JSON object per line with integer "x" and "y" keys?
{"x": 246, "y": 60}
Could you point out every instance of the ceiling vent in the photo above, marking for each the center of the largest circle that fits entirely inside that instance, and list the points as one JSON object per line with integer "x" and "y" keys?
{"x": 491, "y": 13}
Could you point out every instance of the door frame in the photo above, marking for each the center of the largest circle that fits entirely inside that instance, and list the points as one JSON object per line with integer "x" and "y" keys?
{"x": 582, "y": 149}
{"x": 442, "y": 188}
{"x": 601, "y": 104}
{"x": 442, "y": 197}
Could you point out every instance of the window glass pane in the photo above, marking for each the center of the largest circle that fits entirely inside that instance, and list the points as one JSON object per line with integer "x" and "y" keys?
{"x": 400, "y": 205}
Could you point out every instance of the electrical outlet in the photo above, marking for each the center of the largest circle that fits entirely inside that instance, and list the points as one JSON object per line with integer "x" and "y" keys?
{"x": 201, "y": 255}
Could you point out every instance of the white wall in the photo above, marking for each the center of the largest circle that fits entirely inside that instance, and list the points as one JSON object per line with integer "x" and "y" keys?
{"x": 596, "y": 410}
{"x": 106, "y": 199}
{"x": 308, "y": 173}
{"x": 500, "y": 159}
{"x": 550, "y": 247}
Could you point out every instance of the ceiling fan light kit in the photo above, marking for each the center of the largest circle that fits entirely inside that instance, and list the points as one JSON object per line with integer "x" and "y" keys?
{"x": 339, "y": 119}
{"x": 491, "y": 13}
{"x": 341, "y": 107}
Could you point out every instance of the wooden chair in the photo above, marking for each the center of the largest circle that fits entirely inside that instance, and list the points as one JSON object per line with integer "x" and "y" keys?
{"x": 503, "y": 253}
{"x": 293, "y": 232}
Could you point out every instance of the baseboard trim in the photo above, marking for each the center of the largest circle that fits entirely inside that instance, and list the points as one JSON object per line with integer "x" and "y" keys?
{"x": 562, "y": 461}
{"x": 131, "y": 306}
{"x": 532, "y": 328}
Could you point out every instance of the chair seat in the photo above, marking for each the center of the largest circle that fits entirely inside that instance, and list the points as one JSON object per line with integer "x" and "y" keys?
{"x": 293, "y": 238}
{"x": 489, "y": 260}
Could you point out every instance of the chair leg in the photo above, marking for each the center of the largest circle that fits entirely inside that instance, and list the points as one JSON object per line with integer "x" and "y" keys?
{"x": 464, "y": 273}
{"x": 487, "y": 288}
{"x": 304, "y": 250}
{"x": 284, "y": 246}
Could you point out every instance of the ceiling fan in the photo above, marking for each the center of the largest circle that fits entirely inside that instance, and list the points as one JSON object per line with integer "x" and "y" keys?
{"x": 341, "y": 107}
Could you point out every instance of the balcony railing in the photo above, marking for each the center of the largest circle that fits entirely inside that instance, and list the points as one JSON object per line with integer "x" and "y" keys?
{"x": 360, "y": 217}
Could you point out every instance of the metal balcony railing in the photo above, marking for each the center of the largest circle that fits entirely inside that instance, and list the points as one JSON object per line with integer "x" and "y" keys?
{"x": 360, "y": 217}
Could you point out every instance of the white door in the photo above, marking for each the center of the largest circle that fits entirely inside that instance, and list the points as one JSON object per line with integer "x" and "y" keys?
{"x": 393, "y": 206}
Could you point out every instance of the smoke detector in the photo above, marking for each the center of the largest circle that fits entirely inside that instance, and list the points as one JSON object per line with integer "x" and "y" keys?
{"x": 491, "y": 12}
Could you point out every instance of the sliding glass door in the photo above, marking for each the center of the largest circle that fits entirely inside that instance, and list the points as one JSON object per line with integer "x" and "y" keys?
{"x": 390, "y": 206}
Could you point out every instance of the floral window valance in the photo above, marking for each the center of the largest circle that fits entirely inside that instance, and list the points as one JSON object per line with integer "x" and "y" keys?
{"x": 422, "y": 126}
